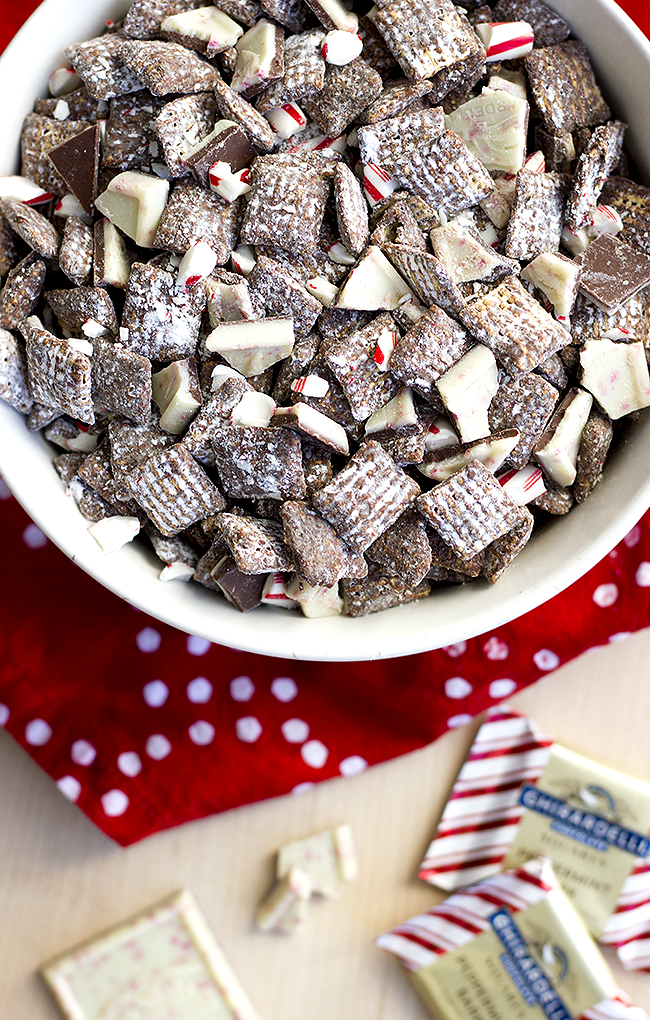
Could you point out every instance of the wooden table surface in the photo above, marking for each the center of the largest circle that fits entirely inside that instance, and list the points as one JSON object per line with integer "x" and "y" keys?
{"x": 61, "y": 880}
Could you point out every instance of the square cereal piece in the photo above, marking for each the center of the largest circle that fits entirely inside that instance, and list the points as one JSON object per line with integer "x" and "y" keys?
{"x": 537, "y": 216}
{"x": 525, "y": 403}
{"x": 130, "y": 141}
{"x": 396, "y": 137}
{"x": 398, "y": 226}
{"x": 180, "y": 125}
{"x": 443, "y": 557}
{"x": 73, "y": 307}
{"x": 500, "y": 553}
{"x": 470, "y": 510}
{"x": 428, "y": 277}
{"x": 80, "y": 106}
{"x": 193, "y": 214}
{"x": 366, "y": 496}
{"x": 286, "y": 203}
{"x": 403, "y": 550}
{"x": 612, "y": 271}
{"x": 59, "y": 375}
{"x": 396, "y": 97}
{"x": 9, "y": 252}
{"x": 166, "y": 954}
{"x": 329, "y": 858}
{"x": 632, "y": 202}
{"x": 549, "y": 27}
{"x": 99, "y": 64}
{"x": 21, "y": 291}
{"x": 515, "y": 327}
{"x": 632, "y": 316}
{"x": 564, "y": 87}
{"x": 595, "y": 441}
{"x": 293, "y": 14}
{"x": 602, "y": 154}
{"x": 351, "y": 361}
{"x": 165, "y": 67}
{"x": 274, "y": 289}
{"x": 351, "y": 210}
{"x": 121, "y": 381}
{"x": 13, "y": 373}
{"x": 304, "y": 72}
{"x": 174, "y": 491}
{"x": 163, "y": 323}
{"x": 247, "y": 12}
{"x": 425, "y": 37}
{"x": 347, "y": 90}
{"x": 130, "y": 446}
{"x": 96, "y": 473}
{"x": 213, "y": 415}
{"x": 76, "y": 251}
{"x": 318, "y": 552}
{"x": 234, "y": 107}
{"x": 30, "y": 225}
{"x": 254, "y": 463}
{"x": 445, "y": 173}
{"x": 144, "y": 16}
{"x": 39, "y": 135}
{"x": 433, "y": 345}
{"x": 376, "y": 592}
{"x": 257, "y": 544}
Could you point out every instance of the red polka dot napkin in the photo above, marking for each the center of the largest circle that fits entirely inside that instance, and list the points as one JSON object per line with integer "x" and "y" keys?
{"x": 145, "y": 727}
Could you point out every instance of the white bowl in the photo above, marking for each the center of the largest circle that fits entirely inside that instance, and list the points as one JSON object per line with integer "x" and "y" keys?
{"x": 557, "y": 555}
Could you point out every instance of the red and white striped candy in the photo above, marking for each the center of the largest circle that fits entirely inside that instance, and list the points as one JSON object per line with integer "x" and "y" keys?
{"x": 618, "y": 333}
{"x": 604, "y": 219}
{"x": 226, "y": 183}
{"x": 311, "y": 386}
{"x": 274, "y": 592}
{"x": 23, "y": 190}
{"x": 322, "y": 143}
{"x": 536, "y": 162}
{"x": 62, "y": 81}
{"x": 506, "y": 40}
{"x": 340, "y": 254}
{"x": 341, "y": 47}
{"x": 197, "y": 263}
{"x": 524, "y": 485}
{"x": 385, "y": 346}
{"x": 287, "y": 120}
{"x": 243, "y": 259}
{"x": 377, "y": 183}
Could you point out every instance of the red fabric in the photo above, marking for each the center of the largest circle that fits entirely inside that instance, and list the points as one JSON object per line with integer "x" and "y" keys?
{"x": 147, "y": 728}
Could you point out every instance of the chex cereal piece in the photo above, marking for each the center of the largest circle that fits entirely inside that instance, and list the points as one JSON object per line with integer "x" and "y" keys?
{"x": 537, "y": 215}
{"x": 162, "y": 323}
{"x": 41, "y": 415}
{"x": 96, "y": 472}
{"x": 429, "y": 278}
{"x": 235, "y": 107}
{"x": 500, "y": 553}
{"x": 445, "y": 173}
{"x": 351, "y": 360}
{"x": 73, "y": 307}
{"x": 286, "y": 203}
{"x": 181, "y": 124}
{"x": 174, "y": 491}
{"x": 78, "y": 105}
{"x": 130, "y": 446}
{"x": 443, "y": 557}
{"x": 351, "y": 210}
{"x": 366, "y": 496}
{"x": 165, "y": 67}
{"x": 430, "y": 348}
{"x": 630, "y": 318}
{"x": 376, "y": 593}
{"x": 291, "y": 13}
{"x": 549, "y": 27}
{"x": 612, "y": 271}
{"x": 21, "y": 291}
{"x": 193, "y": 214}
{"x": 399, "y": 226}
{"x": 394, "y": 100}
{"x": 246, "y": 12}
{"x": 304, "y": 72}
{"x": 632, "y": 202}
{"x": 144, "y": 16}
{"x": 525, "y": 403}
{"x": 58, "y": 374}
{"x": 35, "y": 230}
{"x": 8, "y": 248}
{"x": 394, "y": 138}
{"x": 212, "y": 416}
{"x": 564, "y": 87}
{"x": 257, "y": 462}
{"x": 99, "y": 64}
{"x": 121, "y": 381}
{"x": 594, "y": 166}
{"x": 595, "y": 441}
{"x": 318, "y": 551}
{"x": 76, "y": 251}
{"x": 130, "y": 141}
{"x": 13, "y": 373}
{"x": 317, "y": 466}
{"x": 470, "y": 510}
{"x": 403, "y": 550}
{"x": 275, "y": 290}
{"x": 39, "y": 135}
{"x": 347, "y": 91}
{"x": 257, "y": 545}
{"x": 424, "y": 38}
{"x": 514, "y": 326}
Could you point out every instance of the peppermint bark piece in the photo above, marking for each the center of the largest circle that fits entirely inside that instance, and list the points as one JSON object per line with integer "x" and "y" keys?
{"x": 99, "y": 64}
{"x": 162, "y": 323}
{"x": 144, "y": 16}
{"x": 13, "y": 373}
{"x": 174, "y": 491}
{"x": 207, "y": 30}
{"x": 594, "y": 166}
{"x": 121, "y": 381}
{"x": 564, "y": 86}
{"x": 612, "y": 271}
{"x": 395, "y": 137}
{"x": 467, "y": 257}
{"x": 445, "y": 173}
{"x": 39, "y": 135}
{"x": 352, "y": 361}
{"x": 21, "y": 291}
{"x": 286, "y": 203}
{"x": 35, "y": 230}
{"x": 76, "y": 251}
{"x": 525, "y": 403}
{"x": 257, "y": 545}
{"x": 347, "y": 90}
{"x": 304, "y": 72}
{"x": 631, "y": 318}
{"x": 77, "y": 161}
{"x": 366, "y": 496}
{"x": 430, "y": 348}
{"x": 537, "y": 216}
{"x": 193, "y": 214}
{"x": 165, "y": 67}
{"x": 59, "y": 375}
{"x": 351, "y": 210}
{"x": 182, "y": 124}
{"x": 254, "y": 463}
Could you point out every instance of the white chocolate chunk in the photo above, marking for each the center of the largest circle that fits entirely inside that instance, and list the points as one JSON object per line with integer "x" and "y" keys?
{"x": 287, "y": 120}
{"x": 341, "y": 47}
{"x": 197, "y": 263}
{"x": 494, "y": 127}
{"x": 207, "y": 24}
{"x": 378, "y": 184}
{"x": 557, "y": 450}
{"x": 315, "y": 424}
{"x": 491, "y": 451}
{"x": 497, "y": 208}
{"x": 228, "y": 302}
{"x": 274, "y": 593}
{"x": 85, "y": 442}
{"x": 322, "y": 289}
{"x": 83, "y": 346}
{"x": 219, "y": 375}
{"x": 329, "y": 858}
{"x": 111, "y": 533}
{"x": 277, "y": 911}
{"x": 227, "y": 184}
{"x": 62, "y": 81}
{"x": 464, "y": 255}
{"x": 338, "y": 15}
{"x": 69, "y": 205}
{"x": 467, "y": 389}
{"x": 576, "y": 241}
{"x": 557, "y": 277}
{"x": 311, "y": 386}
{"x": 440, "y": 435}
{"x": 523, "y": 486}
{"x": 93, "y": 329}
{"x": 116, "y": 267}
{"x": 373, "y": 284}
{"x": 251, "y": 347}
{"x": 513, "y": 82}
{"x": 23, "y": 190}
{"x": 340, "y": 254}
{"x": 243, "y": 259}
{"x": 256, "y": 53}
{"x": 316, "y": 603}
{"x": 175, "y": 390}
{"x": 254, "y": 408}
{"x": 61, "y": 110}
{"x": 616, "y": 373}
{"x": 398, "y": 414}
{"x": 176, "y": 571}
{"x": 134, "y": 202}
{"x": 506, "y": 40}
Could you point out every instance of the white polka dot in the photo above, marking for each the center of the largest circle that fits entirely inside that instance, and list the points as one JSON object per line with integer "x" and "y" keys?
{"x": 455, "y": 651}
{"x": 314, "y": 753}
{"x": 502, "y": 688}
{"x": 605, "y": 595}
{"x": 353, "y": 765}
{"x": 37, "y": 732}
{"x": 199, "y": 690}
{"x": 242, "y": 688}
{"x": 546, "y": 659}
{"x": 33, "y": 537}
{"x": 623, "y": 635}
{"x": 303, "y": 787}
{"x": 633, "y": 537}
{"x": 201, "y": 732}
{"x": 496, "y": 649}
{"x": 158, "y": 746}
{"x": 197, "y": 645}
{"x": 284, "y": 688}
{"x": 457, "y": 687}
{"x": 458, "y": 720}
{"x": 295, "y": 731}
{"x": 248, "y": 729}
{"x": 129, "y": 763}
{"x": 5, "y": 492}
{"x": 4, "y": 714}
{"x": 148, "y": 640}
{"x": 69, "y": 787}
{"x": 642, "y": 576}
{"x": 82, "y": 752}
{"x": 115, "y": 803}
{"x": 155, "y": 693}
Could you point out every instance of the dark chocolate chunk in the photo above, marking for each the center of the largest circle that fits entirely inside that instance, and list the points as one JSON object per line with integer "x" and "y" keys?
{"x": 612, "y": 271}
{"x": 77, "y": 161}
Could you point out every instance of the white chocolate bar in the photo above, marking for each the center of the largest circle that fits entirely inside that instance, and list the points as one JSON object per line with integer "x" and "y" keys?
{"x": 285, "y": 907}
{"x": 329, "y": 858}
